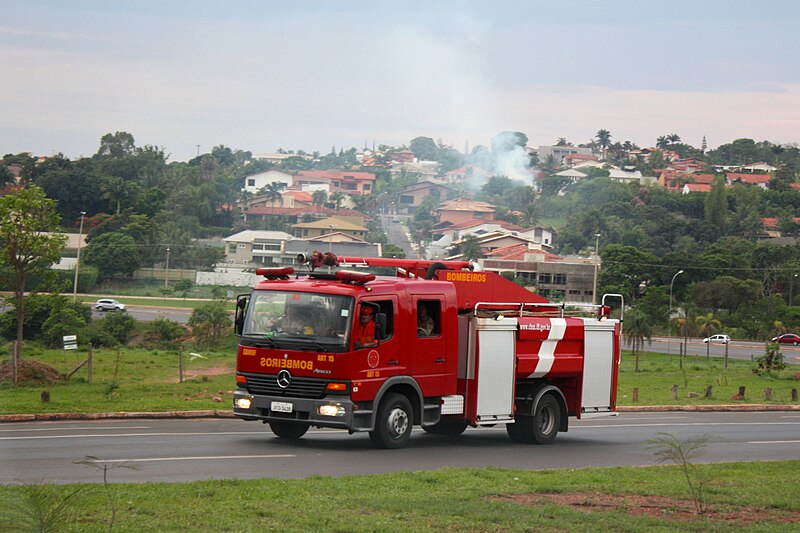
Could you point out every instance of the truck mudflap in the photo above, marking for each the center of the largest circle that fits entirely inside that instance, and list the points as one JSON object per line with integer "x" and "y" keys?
{"x": 332, "y": 411}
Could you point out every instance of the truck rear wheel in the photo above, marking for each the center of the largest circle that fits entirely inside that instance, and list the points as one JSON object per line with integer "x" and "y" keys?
{"x": 288, "y": 430}
{"x": 393, "y": 425}
{"x": 542, "y": 427}
{"x": 452, "y": 427}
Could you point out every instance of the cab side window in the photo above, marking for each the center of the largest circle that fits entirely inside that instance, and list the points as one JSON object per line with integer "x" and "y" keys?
{"x": 429, "y": 314}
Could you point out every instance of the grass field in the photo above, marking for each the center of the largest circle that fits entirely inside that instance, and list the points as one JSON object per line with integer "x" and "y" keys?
{"x": 739, "y": 496}
{"x": 148, "y": 380}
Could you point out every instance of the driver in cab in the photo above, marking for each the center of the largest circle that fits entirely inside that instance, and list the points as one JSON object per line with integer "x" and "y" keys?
{"x": 365, "y": 329}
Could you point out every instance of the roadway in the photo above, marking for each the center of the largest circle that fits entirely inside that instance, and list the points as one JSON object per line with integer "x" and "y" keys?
{"x": 198, "y": 449}
{"x": 737, "y": 349}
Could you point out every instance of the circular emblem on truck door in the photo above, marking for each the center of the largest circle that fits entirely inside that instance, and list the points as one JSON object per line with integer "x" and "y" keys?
{"x": 284, "y": 379}
{"x": 373, "y": 358}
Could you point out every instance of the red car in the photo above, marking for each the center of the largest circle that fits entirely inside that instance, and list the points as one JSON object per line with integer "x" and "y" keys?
{"x": 788, "y": 338}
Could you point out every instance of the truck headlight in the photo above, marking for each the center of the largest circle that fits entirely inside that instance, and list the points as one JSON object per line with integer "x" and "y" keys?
{"x": 243, "y": 402}
{"x": 331, "y": 409}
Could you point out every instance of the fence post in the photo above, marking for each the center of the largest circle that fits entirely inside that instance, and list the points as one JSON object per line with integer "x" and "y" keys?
{"x": 768, "y": 394}
{"x": 635, "y": 394}
{"x": 794, "y": 395}
{"x": 708, "y": 392}
{"x": 180, "y": 362}
{"x": 674, "y": 392}
{"x": 89, "y": 363}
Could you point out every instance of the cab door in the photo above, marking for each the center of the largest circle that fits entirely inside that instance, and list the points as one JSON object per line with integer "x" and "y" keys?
{"x": 427, "y": 346}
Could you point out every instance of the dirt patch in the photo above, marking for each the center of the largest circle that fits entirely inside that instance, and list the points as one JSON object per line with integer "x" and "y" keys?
{"x": 30, "y": 372}
{"x": 653, "y": 506}
{"x": 213, "y": 371}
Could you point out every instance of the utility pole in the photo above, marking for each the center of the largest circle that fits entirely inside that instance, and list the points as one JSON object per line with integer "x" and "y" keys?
{"x": 166, "y": 270}
{"x": 596, "y": 265}
{"x": 78, "y": 261}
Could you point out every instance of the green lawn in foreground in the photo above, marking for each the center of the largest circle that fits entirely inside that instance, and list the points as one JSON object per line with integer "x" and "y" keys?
{"x": 442, "y": 500}
{"x": 148, "y": 381}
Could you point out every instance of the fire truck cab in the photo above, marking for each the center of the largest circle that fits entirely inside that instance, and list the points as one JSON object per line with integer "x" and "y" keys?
{"x": 440, "y": 345}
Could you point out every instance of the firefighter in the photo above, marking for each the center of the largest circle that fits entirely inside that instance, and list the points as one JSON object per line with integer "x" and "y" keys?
{"x": 425, "y": 323}
{"x": 365, "y": 330}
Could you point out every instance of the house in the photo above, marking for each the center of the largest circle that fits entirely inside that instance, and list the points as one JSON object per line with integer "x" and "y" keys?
{"x": 251, "y": 247}
{"x": 423, "y": 169}
{"x": 278, "y": 158}
{"x": 570, "y": 280}
{"x": 572, "y": 174}
{"x": 329, "y": 225}
{"x": 759, "y": 180}
{"x": 759, "y": 167}
{"x": 350, "y": 182}
{"x": 467, "y": 174}
{"x": 772, "y": 226}
{"x": 674, "y": 181}
{"x": 462, "y": 209}
{"x": 560, "y": 153}
{"x": 293, "y": 214}
{"x": 255, "y": 182}
{"x": 625, "y": 176}
{"x": 695, "y": 187}
{"x": 411, "y": 196}
{"x": 582, "y": 160}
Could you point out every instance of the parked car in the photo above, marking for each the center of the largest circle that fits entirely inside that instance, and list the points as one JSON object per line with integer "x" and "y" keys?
{"x": 719, "y": 338}
{"x": 787, "y": 338}
{"x": 107, "y": 304}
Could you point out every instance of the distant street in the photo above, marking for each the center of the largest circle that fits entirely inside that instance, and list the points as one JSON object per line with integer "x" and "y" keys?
{"x": 397, "y": 233}
{"x": 743, "y": 350}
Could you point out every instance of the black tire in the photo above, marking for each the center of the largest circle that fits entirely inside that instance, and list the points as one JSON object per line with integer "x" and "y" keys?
{"x": 542, "y": 427}
{"x": 288, "y": 430}
{"x": 452, "y": 427}
{"x": 394, "y": 422}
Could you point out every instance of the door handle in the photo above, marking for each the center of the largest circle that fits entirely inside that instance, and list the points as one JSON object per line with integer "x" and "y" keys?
{"x": 392, "y": 362}
{"x": 440, "y": 360}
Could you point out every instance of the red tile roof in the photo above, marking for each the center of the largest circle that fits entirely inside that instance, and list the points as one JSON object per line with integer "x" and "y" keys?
{"x": 754, "y": 179}
{"x": 517, "y": 252}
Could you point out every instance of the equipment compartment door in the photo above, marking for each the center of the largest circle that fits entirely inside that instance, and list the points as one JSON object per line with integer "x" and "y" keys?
{"x": 598, "y": 368}
{"x": 496, "y": 357}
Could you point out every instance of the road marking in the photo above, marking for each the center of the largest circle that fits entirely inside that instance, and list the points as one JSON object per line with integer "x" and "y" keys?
{"x": 774, "y": 442}
{"x": 92, "y": 436}
{"x": 691, "y": 424}
{"x": 74, "y": 428}
{"x": 623, "y": 417}
{"x": 198, "y": 458}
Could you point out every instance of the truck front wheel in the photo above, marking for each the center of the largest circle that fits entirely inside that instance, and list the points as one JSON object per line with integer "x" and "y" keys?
{"x": 393, "y": 425}
{"x": 542, "y": 427}
{"x": 288, "y": 430}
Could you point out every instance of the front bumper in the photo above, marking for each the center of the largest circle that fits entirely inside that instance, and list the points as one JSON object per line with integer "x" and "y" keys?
{"x": 350, "y": 416}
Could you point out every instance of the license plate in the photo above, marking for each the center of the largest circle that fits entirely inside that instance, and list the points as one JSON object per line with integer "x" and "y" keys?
{"x": 281, "y": 407}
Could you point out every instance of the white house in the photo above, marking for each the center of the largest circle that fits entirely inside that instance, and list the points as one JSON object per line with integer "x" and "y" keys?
{"x": 255, "y": 182}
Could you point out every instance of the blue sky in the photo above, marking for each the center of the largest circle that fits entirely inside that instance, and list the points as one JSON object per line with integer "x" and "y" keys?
{"x": 259, "y": 75}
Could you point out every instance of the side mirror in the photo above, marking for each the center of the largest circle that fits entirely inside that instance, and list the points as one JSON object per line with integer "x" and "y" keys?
{"x": 241, "y": 308}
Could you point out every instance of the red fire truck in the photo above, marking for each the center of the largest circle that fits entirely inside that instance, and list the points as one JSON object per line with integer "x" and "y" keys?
{"x": 450, "y": 347}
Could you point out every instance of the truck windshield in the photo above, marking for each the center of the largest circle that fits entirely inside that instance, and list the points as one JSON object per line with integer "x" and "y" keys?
{"x": 314, "y": 320}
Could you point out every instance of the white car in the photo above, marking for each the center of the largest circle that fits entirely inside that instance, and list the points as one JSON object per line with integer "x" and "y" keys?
{"x": 107, "y": 304}
{"x": 721, "y": 339}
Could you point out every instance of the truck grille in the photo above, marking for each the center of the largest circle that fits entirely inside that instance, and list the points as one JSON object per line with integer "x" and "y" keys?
{"x": 300, "y": 387}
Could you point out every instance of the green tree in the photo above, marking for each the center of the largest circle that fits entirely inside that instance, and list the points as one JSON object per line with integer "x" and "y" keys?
{"x": 112, "y": 253}
{"x": 209, "y": 323}
{"x": 337, "y": 197}
{"x": 24, "y": 249}
{"x": 637, "y": 329}
{"x": 716, "y": 206}
{"x": 470, "y": 248}
{"x": 318, "y": 198}
{"x": 424, "y": 148}
{"x": 707, "y": 325}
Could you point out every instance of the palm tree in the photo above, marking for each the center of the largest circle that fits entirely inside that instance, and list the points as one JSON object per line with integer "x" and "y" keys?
{"x": 637, "y": 329}
{"x": 707, "y": 326}
{"x": 337, "y": 198}
{"x": 319, "y": 198}
{"x": 603, "y": 141}
{"x": 273, "y": 192}
{"x": 673, "y": 138}
{"x": 662, "y": 142}
{"x": 116, "y": 190}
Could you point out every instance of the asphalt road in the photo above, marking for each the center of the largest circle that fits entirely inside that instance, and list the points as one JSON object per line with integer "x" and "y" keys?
{"x": 744, "y": 350}
{"x": 147, "y": 313}
{"x": 196, "y": 449}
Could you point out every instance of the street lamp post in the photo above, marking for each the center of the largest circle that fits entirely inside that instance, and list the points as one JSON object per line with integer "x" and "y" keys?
{"x": 596, "y": 264}
{"x": 166, "y": 270}
{"x": 669, "y": 311}
{"x": 78, "y": 261}
{"x": 791, "y": 287}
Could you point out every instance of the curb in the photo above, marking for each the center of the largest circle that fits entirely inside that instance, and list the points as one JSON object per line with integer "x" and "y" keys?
{"x": 39, "y": 417}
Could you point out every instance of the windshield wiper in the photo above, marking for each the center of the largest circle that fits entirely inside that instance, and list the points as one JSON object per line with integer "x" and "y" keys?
{"x": 307, "y": 338}
{"x": 263, "y": 336}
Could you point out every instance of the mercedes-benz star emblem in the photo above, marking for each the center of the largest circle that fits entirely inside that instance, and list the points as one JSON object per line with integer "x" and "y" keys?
{"x": 284, "y": 379}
